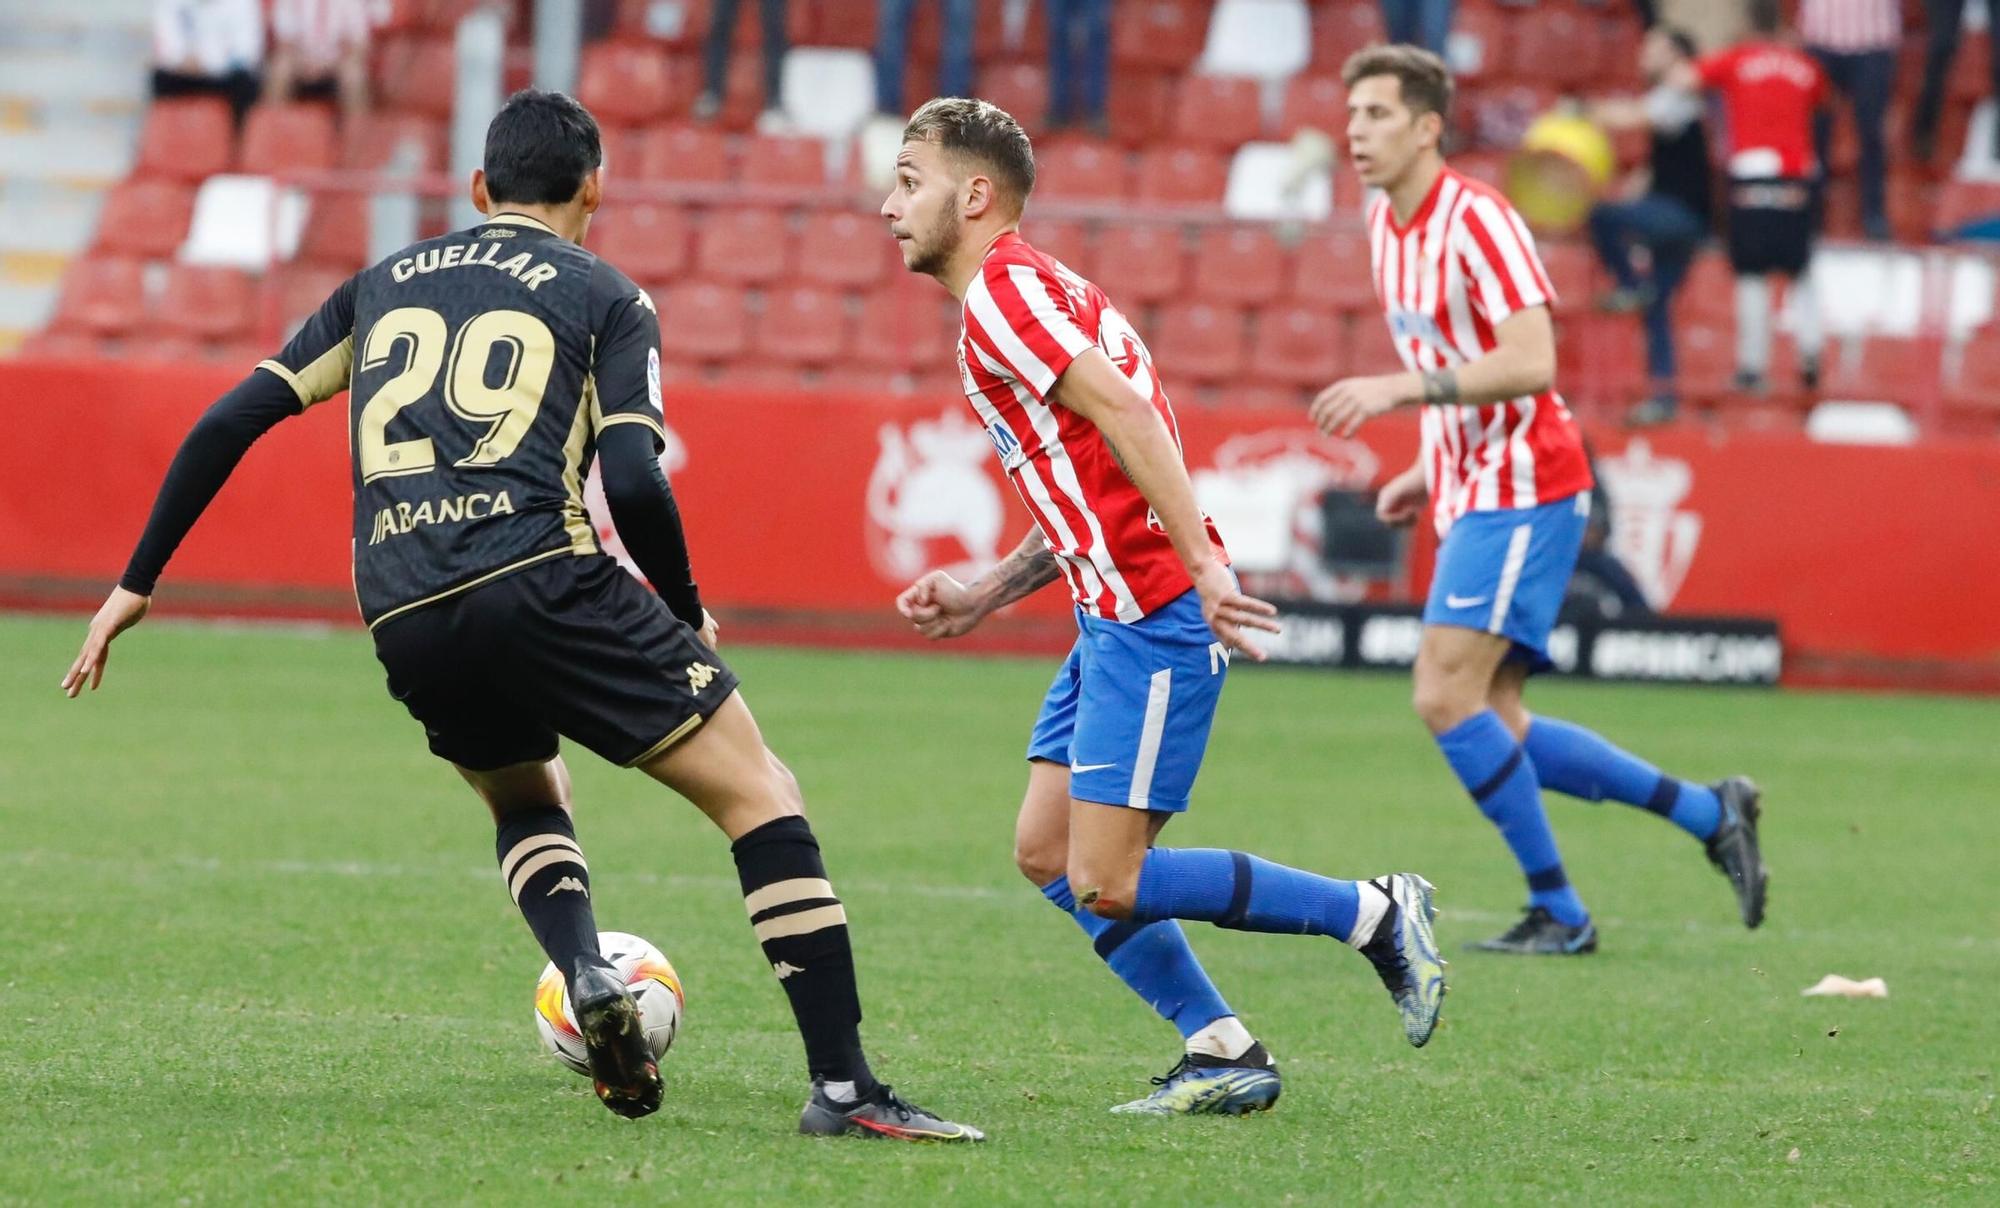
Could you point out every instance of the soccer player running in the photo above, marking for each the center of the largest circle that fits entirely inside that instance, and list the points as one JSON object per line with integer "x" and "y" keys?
{"x": 486, "y": 366}
{"x": 1468, "y": 307}
{"x": 1069, "y": 396}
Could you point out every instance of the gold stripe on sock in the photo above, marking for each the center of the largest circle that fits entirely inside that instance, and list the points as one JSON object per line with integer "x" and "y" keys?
{"x": 804, "y": 922}
{"x": 777, "y": 893}
{"x": 526, "y": 847}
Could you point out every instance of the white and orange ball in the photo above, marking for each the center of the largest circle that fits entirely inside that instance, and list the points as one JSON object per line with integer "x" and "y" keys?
{"x": 647, "y": 974}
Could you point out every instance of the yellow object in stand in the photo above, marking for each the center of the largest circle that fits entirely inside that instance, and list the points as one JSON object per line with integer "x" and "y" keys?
{"x": 1564, "y": 162}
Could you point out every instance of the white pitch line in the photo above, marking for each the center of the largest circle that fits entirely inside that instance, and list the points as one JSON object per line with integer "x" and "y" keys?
{"x": 906, "y": 889}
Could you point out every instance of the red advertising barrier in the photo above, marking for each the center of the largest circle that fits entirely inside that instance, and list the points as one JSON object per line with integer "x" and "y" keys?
{"x": 1877, "y": 562}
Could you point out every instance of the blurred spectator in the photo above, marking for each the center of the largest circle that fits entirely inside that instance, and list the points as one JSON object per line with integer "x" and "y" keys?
{"x": 1667, "y": 210}
{"x": 319, "y": 48}
{"x": 892, "y": 47}
{"x": 208, "y": 48}
{"x": 1945, "y": 20}
{"x": 1855, "y": 42}
{"x": 715, "y": 59}
{"x": 1079, "y": 63}
{"x": 1425, "y": 23}
{"x": 1771, "y": 93}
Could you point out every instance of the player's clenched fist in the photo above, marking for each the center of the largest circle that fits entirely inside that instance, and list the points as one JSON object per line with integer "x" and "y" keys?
{"x": 1401, "y": 499}
{"x": 939, "y": 606}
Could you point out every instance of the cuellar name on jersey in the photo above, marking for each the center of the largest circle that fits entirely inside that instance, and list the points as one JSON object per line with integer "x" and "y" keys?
{"x": 521, "y": 266}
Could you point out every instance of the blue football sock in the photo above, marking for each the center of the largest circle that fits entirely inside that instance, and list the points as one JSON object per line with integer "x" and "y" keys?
{"x": 1572, "y": 760}
{"x": 1501, "y": 779}
{"x": 1153, "y": 959}
{"x": 1239, "y": 891}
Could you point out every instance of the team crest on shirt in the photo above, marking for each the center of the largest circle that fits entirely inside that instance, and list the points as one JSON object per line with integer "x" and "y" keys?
{"x": 932, "y": 503}
{"x": 1414, "y": 325}
{"x": 1652, "y": 534}
{"x": 1263, "y": 492}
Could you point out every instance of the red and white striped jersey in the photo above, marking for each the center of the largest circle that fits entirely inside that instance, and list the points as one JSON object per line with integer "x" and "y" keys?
{"x": 1447, "y": 278}
{"x": 1851, "y": 26}
{"x": 1026, "y": 317}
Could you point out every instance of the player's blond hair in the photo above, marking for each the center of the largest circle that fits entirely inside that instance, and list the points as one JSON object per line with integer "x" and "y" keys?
{"x": 1425, "y": 80}
{"x": 980, "y": 131}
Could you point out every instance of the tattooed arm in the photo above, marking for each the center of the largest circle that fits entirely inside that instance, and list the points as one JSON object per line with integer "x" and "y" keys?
{"x": 942, "y": 607}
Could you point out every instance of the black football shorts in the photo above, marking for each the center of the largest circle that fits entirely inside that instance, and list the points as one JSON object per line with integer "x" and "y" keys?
{"x": 1771, "y": 225}
{"x": 573, "y": 646}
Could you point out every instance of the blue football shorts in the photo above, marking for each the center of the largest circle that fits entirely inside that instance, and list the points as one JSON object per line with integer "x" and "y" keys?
{"x": 1506, "y": 573}
{"x": 1130, "y": 710}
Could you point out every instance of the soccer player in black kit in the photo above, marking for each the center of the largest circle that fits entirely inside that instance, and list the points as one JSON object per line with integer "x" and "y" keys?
{"x": 486, "y": 367}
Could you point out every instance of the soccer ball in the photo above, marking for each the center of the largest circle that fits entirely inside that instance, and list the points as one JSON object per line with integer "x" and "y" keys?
{"x": 647, "y": 973}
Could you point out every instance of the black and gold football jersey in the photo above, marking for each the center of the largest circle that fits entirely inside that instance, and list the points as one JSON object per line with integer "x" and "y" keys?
{"x": 482, "y": 364}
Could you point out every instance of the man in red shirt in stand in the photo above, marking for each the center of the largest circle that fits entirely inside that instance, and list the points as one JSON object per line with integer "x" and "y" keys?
{"x": 1770, "y": 90}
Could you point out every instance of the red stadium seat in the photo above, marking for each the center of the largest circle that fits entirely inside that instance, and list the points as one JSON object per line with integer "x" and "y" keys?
{"x": 144, "y": 218}
{"x": 1299, "y": 346}
{"x": 1342, "y": 27}
{"x": 56, "y": 345}
{"x": 1963, "y": 201}
{"x": 1332, "y": 270}
{"x": 205, "y": 302}
{"x": 1138, "y": 106}
{"x": 1183, "y": 176}
{"x": 287, "y": 138}
{"x": 703, "y": 324}
{"x": 1480, "y": 46}
{"x": 1158, "y": 34}
{"x": 1708, "y": 295}
{"x": 743, "y": 93}
{"x": 804, "y": 326}
{"x": 1906, "y": 372}
{"x": 103, "y": 296}
{"x": 300, "y": 291}
{"x": 1022, "y": 89}
{"x": 1200, "y": 342}
{"x": 372, "y": 141}
{"x": 1142, "y": 263}
{"x": 336, "y": 231}
{"x": 1217, "y": 111}
{"x": 784, "y": 163}
{"x": 991, "y": 33}
{"x": 746, "y": 247}
{"x": 851, "y": 23}
{"x": 648, "y": 243}
{"x": 1317, "y": 102}
{"x": 1572, "y": 271}
{"x": 1971, "y": 77}
{"x": 1082, "y": 170}
{"x": 188, "y": 139}
{"x": 624, "y": 84}
{"x": 1068, "y": 242}
{"x": 846, "y": 250}
{"x": 903, "y": 326}
{"x": 416, "y": 74}
{"x": 1555, "y": 46}
{"x": 680, "y": 155}
{"x": 1976, "y": 385}
{"x": 1241, "y": 265}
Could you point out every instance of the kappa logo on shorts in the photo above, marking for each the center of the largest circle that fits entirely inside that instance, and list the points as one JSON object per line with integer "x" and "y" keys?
{"x": 700, "y": 675}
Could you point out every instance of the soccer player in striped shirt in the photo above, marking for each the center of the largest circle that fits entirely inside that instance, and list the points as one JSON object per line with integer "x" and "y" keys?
{"x": 1069, "y": 396}
{"x": 1468, "y": 307}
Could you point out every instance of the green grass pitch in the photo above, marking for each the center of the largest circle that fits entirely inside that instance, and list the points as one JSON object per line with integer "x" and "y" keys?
{"x": 255, "y": 951}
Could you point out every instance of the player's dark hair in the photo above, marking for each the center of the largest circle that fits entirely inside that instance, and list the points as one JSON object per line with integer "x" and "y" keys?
{"x": 1425, "y": 80}
{"x": 539, "y": 147}
{"x": 1766, "y": 16}
{"x": 1682, "y": 41}
{"x": 980, "y": 131}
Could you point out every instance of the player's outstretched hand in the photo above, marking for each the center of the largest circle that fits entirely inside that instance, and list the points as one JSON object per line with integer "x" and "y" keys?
{"x": 1229, "y": 612}
{"x": 1401, "y": 499}
{"x": 121, "y": 611}
{"x": 939, "y": 606}
{"x": 1341, "y": 409}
